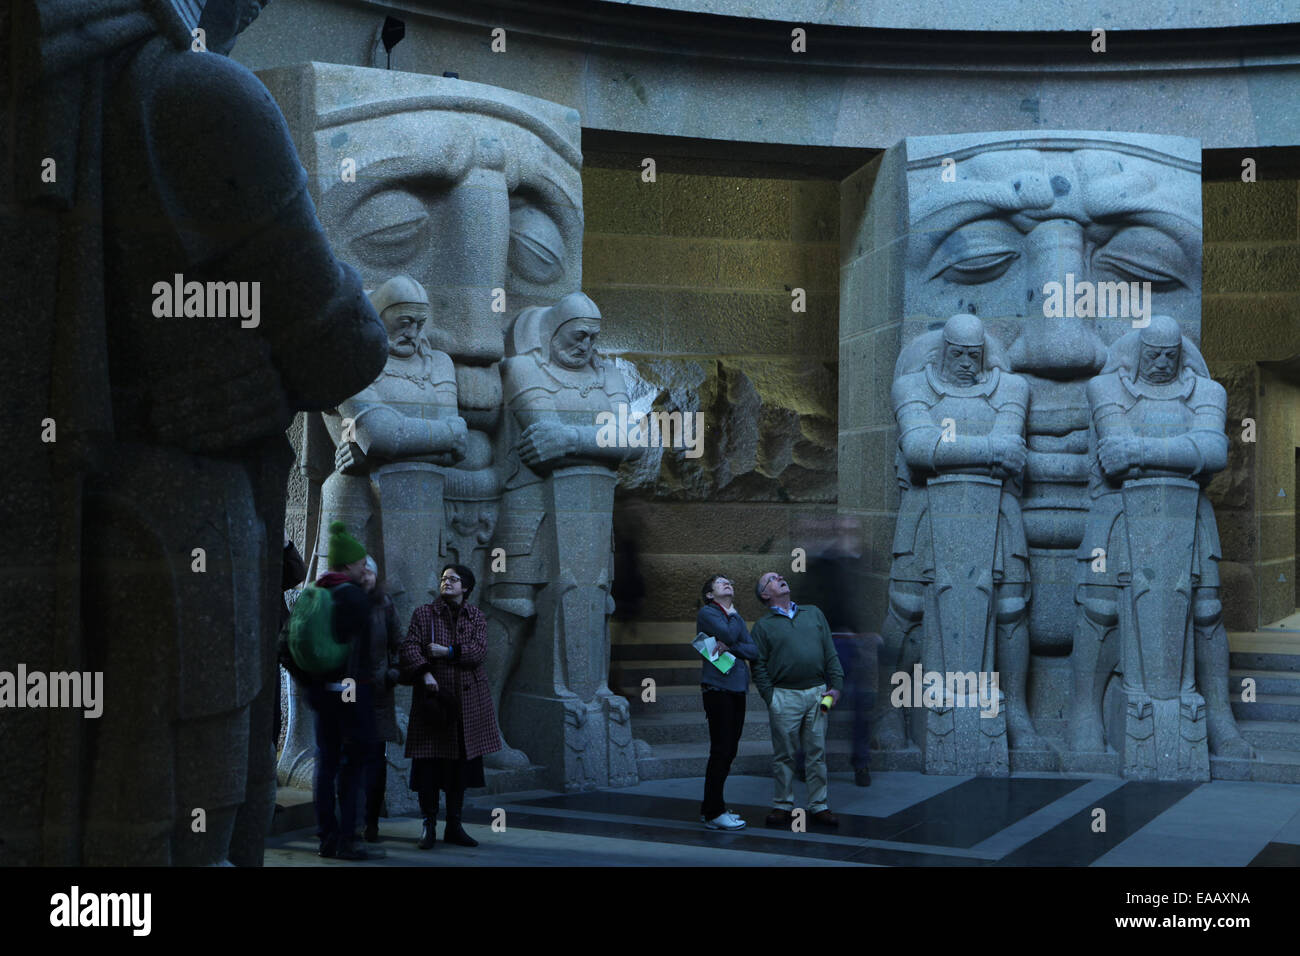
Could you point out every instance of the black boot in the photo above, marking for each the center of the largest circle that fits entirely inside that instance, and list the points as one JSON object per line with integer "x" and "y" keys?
{"x": 429, "y": 835}
{"x": 454, "y": 832}
{"x": 429, "y": 807}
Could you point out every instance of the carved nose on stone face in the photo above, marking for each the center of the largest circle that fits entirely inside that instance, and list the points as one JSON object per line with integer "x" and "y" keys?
{"x": 1053, "y": 249}
{"x": 469, "y": 266}
{"x": 1055, "y": 347}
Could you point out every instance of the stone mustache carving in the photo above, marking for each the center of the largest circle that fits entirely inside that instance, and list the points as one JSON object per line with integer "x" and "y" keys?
{"x": 556, "y": 529}
{"x": 147, "y": 536}
{"x": 474, "y": 192}
{"x": 1063, "y": 242}
{"x": 1148, "y": 563}
{"x": 960, "y": 541}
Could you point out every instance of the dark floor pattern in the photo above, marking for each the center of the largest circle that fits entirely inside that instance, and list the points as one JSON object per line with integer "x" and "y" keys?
{"x": 958, "y": 818}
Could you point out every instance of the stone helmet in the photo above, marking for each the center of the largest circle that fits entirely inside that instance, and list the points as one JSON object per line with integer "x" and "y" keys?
{"x": 575, "y": 305}
{"x": 399, "y": 290}
{"x": 1162, "y": 331}
{"x": 1125, "y": 352}
{"x": 967, "y": 330}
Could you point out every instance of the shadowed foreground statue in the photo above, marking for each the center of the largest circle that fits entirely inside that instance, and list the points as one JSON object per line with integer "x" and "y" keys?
{"x": 146, "y": 527}
{"x": 1148, "y": 564}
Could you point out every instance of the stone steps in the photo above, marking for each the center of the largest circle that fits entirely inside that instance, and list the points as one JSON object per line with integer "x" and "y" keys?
{"x": 752, "y": 757}
{"x": 1268, "y": 707}
{"x": 676, "y": 699}
{"x": 664, "y": 672}
{"x": 1271, "y": 735}
{"x": 1266, "y": 681}
{"x": 687, "y": 727}
{"x": 1271, "y": 766}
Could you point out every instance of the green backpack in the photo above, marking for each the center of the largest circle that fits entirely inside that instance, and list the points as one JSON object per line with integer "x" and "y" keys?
{"x": 311, "y": 634}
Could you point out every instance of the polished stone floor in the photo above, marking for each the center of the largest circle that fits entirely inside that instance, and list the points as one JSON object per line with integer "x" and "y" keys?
{"x": 903, "y": 819}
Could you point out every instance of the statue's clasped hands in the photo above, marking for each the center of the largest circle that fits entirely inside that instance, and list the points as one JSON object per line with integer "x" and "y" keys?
{"x": 1008, "y": 454}
{"x": 543, "y": 441}
{"x": 1118, "y": 455}
{"x": 459, "y": 437}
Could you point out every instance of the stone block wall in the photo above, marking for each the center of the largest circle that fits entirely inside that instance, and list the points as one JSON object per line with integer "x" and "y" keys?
{"x": 694, "y": 275}
{"x": 1251, "y": 315}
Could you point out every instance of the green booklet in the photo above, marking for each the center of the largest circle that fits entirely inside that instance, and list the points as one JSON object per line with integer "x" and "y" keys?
{"x": 708, "y": 647}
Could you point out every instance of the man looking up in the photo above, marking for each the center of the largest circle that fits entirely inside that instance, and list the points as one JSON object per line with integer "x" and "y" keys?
{"x": 797, "y": 666}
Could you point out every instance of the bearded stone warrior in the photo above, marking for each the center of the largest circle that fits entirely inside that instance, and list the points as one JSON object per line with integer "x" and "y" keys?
{"x": 147, "y": 534}
{"x": 960, "y": 551}
{"x": 1148, "y": 563}
{"x": 391, "y": 437}
{"x": 556, "y": 529}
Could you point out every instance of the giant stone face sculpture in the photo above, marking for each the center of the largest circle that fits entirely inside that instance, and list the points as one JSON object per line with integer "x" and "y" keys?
{"x": 1062, "y": 243}
{"x": 475, "y": 193}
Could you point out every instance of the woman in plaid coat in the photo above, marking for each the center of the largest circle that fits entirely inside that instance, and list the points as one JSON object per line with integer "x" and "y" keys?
{"x": 443, "y": 654}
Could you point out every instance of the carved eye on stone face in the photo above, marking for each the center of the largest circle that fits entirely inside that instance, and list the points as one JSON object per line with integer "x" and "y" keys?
{"x": 981, "y": 268}
{"x": 536, "y": 245}
{"x": 977, "y": 253}
{"x": 1144, "y": 254}
{"x": 389, "y": 229}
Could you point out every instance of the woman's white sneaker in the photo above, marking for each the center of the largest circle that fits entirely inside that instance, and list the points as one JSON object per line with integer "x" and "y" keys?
{"x": 725, "y": 821}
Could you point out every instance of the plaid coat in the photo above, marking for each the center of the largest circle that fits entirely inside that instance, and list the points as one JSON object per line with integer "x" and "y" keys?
{"x": 463, "y": 673}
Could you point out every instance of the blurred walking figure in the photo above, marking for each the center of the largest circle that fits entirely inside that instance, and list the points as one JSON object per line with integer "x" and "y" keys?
{"x": 724, "y": 695}
{"x": 835, "y": 570}
{"x": 443, "y": 654}
{"x": 385, "y": 647}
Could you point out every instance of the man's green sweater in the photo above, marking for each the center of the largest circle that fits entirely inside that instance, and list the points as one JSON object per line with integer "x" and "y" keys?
{"x": 797, "y": 652}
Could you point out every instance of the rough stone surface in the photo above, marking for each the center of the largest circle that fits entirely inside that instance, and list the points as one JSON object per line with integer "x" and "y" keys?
{"x": 769, "y": 429}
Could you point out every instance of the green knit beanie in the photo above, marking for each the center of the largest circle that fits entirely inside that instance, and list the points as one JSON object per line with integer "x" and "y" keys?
{"x": 344, "y": 549}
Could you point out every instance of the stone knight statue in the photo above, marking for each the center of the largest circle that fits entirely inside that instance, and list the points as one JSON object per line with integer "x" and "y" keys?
{"x": 960, "y": 551}
{"x": 1148, "y": 563}
{"x": 391, "y": 437}
{"x": 556, "y": 529}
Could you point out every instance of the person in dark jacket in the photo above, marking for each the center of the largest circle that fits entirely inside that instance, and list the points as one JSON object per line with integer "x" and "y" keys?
{"x": 445, "y": 648}
{"x": 724, "y": 695}
{"x": 385, "y": 641}
{"x": 345, "y": 716}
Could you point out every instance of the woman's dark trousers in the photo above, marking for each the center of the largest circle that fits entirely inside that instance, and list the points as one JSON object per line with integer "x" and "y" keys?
{"x": 725, "y": 711}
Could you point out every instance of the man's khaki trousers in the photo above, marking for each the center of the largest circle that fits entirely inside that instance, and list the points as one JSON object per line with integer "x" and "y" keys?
{"x": 797, "y": 720}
